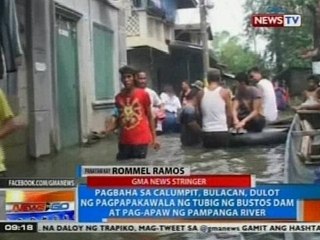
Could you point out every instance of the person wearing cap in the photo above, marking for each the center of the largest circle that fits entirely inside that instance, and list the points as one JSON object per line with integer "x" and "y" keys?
{"x": 197, "y": 85}
{"x": 134, "y": 118}
{"x": 190, "y": 134}
{"x": 247, "y": 111}
{"x": 215, "y": 108}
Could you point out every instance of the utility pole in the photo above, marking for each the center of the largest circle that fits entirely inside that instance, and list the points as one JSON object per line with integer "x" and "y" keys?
{"x": 255, "y": 42}
{"x": 204, "y": 38}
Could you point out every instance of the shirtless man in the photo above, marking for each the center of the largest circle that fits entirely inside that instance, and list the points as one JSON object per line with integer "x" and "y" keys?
{"x": 311, "y": 96}
{"x": 190, "y": 120}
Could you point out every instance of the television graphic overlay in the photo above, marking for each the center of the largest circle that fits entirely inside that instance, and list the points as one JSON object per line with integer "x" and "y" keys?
{"x": 2, "y": 205}
{"x": 275, "y": 17}
{"x": 28, "y": 205}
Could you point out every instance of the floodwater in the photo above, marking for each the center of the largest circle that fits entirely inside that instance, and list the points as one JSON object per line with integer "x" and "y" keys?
{"x": 266, "y": 163}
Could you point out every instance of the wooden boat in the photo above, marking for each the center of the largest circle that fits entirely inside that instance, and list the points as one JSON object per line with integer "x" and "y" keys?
{"x": 302, "y": 161}
{"x": 302, "y": 156}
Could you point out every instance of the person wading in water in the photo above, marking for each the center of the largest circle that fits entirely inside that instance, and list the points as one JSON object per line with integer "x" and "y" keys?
{"x": 215, "y": 108}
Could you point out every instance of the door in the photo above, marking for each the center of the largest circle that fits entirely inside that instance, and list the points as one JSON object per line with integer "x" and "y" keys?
{"x": 67, "y": 81}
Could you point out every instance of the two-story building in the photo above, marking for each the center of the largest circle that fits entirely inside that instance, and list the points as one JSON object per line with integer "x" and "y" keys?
{"x": 186, "y": 49}
{"x": 164, "y": 39}
{"x": 150, "y": 30}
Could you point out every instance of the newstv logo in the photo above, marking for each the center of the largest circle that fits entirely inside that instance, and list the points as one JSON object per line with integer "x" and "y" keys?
{"x": 38, "y": 207}
{"x": 276, "y": 20}
{"x": 275, "y": 16}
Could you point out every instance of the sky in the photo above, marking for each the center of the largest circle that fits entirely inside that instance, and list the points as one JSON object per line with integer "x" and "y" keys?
{"x": 229, "y": 15}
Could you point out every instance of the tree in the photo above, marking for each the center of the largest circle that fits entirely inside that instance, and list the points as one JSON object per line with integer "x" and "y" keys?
{"x": 285, "y": 45}
{"x": 235, "y": 55}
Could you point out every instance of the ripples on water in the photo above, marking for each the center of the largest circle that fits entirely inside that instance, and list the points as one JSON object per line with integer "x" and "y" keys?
{"x": 266, "y": 163}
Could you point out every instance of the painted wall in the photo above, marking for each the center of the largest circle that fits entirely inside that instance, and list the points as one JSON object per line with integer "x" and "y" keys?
{"x": 34, "y": 99}
{"x": 101, "y": 13}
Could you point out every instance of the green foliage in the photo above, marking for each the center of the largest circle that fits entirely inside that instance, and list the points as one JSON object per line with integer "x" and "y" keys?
{"x": 284, "y": 45}
{"x": 235, "y": 55}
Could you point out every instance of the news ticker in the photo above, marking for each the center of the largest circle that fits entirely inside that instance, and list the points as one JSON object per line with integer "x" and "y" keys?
{"x": 42, "y": 227}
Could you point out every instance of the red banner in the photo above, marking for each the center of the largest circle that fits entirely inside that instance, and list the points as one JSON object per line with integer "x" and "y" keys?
{"x": 197, "y": 181}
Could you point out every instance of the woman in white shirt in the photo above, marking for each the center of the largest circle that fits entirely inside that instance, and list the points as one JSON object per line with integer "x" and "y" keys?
{"x": 172, "y": 106}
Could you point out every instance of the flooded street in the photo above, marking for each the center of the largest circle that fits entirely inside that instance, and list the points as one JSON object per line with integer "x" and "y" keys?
{"x": 266, "y": 163}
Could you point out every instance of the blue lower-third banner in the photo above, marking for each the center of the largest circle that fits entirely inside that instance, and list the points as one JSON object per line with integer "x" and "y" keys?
{"x": 265, "y": 202}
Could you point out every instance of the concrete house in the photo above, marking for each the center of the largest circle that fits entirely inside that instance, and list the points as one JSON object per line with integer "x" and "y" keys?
{"x": 68, "y": 75}
{"x": 150, "y": 30}
{"x": 186, "y": 49}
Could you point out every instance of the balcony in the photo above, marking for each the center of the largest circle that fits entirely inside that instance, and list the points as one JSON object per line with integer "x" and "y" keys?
{"x": 145, "y": 30}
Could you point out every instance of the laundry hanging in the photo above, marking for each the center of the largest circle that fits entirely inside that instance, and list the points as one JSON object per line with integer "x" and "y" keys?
{"x": 9, "y": 36}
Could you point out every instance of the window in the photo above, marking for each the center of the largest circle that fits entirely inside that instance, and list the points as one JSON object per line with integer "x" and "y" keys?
{"x": 137, "y": 3}
{"x": 103, "y": 62}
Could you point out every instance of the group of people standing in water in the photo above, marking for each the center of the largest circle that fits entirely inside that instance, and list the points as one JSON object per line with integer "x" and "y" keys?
{"x": 204, "y": 114}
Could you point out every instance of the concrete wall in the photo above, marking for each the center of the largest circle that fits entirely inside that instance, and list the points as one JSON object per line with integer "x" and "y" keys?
{"x": 94, "y": 11}
{"x": 153, "y": 32}
{"x": 22, "y": 70}
{"x": 34, "y": 98}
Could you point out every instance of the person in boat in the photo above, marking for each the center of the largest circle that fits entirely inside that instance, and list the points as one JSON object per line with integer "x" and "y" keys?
{"x": 311, "y": 96}
{"x": 214, "y": 103}
{"x": 172, "y": 107}
{"x": 269, "y": 102}
{"x": 247, "y": 106}
{"x": 186, "y": 89}
{"x": 190, "y": 121}
{"x": 156, "y": 103}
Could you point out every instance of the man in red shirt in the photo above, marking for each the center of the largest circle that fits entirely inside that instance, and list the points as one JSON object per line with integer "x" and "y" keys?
{"x": 135, "y": 119}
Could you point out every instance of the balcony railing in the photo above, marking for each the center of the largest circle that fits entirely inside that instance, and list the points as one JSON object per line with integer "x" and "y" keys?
{"x": 133, "y": 26}
{"x": 145, "y": 30}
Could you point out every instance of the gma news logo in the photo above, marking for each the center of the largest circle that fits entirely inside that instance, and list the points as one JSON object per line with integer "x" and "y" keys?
{"x": 276, "y": 20}
{"x": 38, "y": 207}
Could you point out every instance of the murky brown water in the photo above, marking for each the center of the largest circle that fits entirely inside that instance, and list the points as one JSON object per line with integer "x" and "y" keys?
{"x": 266, "y": 163}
